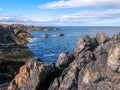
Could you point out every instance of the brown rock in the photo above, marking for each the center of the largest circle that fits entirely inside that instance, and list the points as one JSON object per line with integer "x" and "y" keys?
{"x": 102, "y": 37}
{"x": 114, "y": 58}
{"x": 32, "y": 76}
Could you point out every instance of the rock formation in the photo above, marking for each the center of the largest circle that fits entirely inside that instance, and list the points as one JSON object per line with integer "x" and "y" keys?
{"x": 13, "y": 52}
{"x": 45, "y": 35}
{"x": 27, "y": 28}
{"x": 60, "y": 34}
{"x": 93, "y": 65}
{"x": 13, "y": 43}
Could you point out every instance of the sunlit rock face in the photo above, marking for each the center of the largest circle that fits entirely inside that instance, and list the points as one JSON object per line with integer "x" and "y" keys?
{"x": 114, "y": 59}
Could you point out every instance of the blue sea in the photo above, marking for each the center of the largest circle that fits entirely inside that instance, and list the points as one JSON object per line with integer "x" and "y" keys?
{"x": 48, "y": 49}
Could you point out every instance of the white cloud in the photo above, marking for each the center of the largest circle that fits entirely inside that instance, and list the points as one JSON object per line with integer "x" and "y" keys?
{"x": 90, "y": 17}
{"x": 16, "y": 19}
{"x": 1, "y": 9}
{"x": 81, "y": 3}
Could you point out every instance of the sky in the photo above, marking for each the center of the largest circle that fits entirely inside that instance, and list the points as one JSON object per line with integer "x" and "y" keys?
{"x": 61, "y": 12}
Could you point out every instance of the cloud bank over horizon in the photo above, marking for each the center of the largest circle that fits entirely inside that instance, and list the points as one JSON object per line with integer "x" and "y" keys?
{"x": 92, "y": 17}
{"x": 64, "y": 13}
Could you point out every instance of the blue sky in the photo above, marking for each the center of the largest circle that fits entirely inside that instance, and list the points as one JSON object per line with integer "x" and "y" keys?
{"x": 61, "y": 12}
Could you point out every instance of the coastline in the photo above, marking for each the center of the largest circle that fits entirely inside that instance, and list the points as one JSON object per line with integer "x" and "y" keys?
{"x": 93, "y": 64}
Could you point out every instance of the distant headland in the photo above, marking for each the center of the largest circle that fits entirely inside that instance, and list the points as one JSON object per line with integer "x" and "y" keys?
{"x": 27, "y": 27}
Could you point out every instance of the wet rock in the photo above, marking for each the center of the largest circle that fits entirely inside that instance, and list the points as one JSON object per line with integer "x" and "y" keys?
{"x": 45, "y": 35}
{"x": 60, "y": 34}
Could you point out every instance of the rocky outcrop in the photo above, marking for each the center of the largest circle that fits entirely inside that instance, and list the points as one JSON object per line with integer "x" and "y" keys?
{"x": 34, "y": 75}
{"x": 64, "y": 60}
{"x": 102, "y": 37}
{"x": 60, "y": 34}
{"x": 93, "y": 65}
{"x": 13, "y": 52}
{"x": 26, "y": 27}
{"x": 13, "y": 43}
{"x": 45, "y": 35}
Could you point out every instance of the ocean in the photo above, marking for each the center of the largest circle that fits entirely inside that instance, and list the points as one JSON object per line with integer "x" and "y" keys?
{"x": 48, "y": 49}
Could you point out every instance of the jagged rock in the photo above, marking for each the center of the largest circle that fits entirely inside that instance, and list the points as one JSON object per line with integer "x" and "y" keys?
{"x": 32, "y": 76}
{"x": 92, "y": 68}
{"x": 102, "y": 37}
{"x": 64, "y": 60}
{"x": 45, "y": 36}
{"x": 85, "y": 43}
{"x": 114, "y": 58}
{"x": 93, "y": 65}
{"x": 13, "y": 45}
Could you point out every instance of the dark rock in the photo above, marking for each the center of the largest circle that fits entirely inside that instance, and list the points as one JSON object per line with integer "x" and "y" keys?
{"x": 8, "y": 70}
{"x": 60, "y": 34}
{"x": 13, "y": 44}
{"x": 13, "y": 52}
{"x": 45, "y": 36}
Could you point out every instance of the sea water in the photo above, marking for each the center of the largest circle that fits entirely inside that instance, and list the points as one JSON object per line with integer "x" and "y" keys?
{"x": 48, "y": 49}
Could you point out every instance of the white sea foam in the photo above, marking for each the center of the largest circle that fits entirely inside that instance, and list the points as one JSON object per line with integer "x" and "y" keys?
{"x": 53, "y": 35}
{"x": 49, "y": 55}
{"x": 33, "y": 39}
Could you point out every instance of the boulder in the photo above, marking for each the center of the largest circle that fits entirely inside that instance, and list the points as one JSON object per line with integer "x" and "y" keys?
{"x": 64, "y": 60}
{"x": 34, "y": 75}
{"x": 45, "y": 35}
{"x": 60, "y": 34}
{"x": 85, "y": 43}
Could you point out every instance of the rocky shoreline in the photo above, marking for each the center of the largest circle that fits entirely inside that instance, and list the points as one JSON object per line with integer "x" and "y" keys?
{"x": 93, "y": 65}
{"x": 27, "y": 27}
{"x": 13, "y": 52}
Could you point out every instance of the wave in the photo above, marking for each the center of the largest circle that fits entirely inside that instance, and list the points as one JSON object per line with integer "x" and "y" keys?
{"x": 53, "y": 35}
{"x": 49, "y": 55}
{"x": 33, "y": 39}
